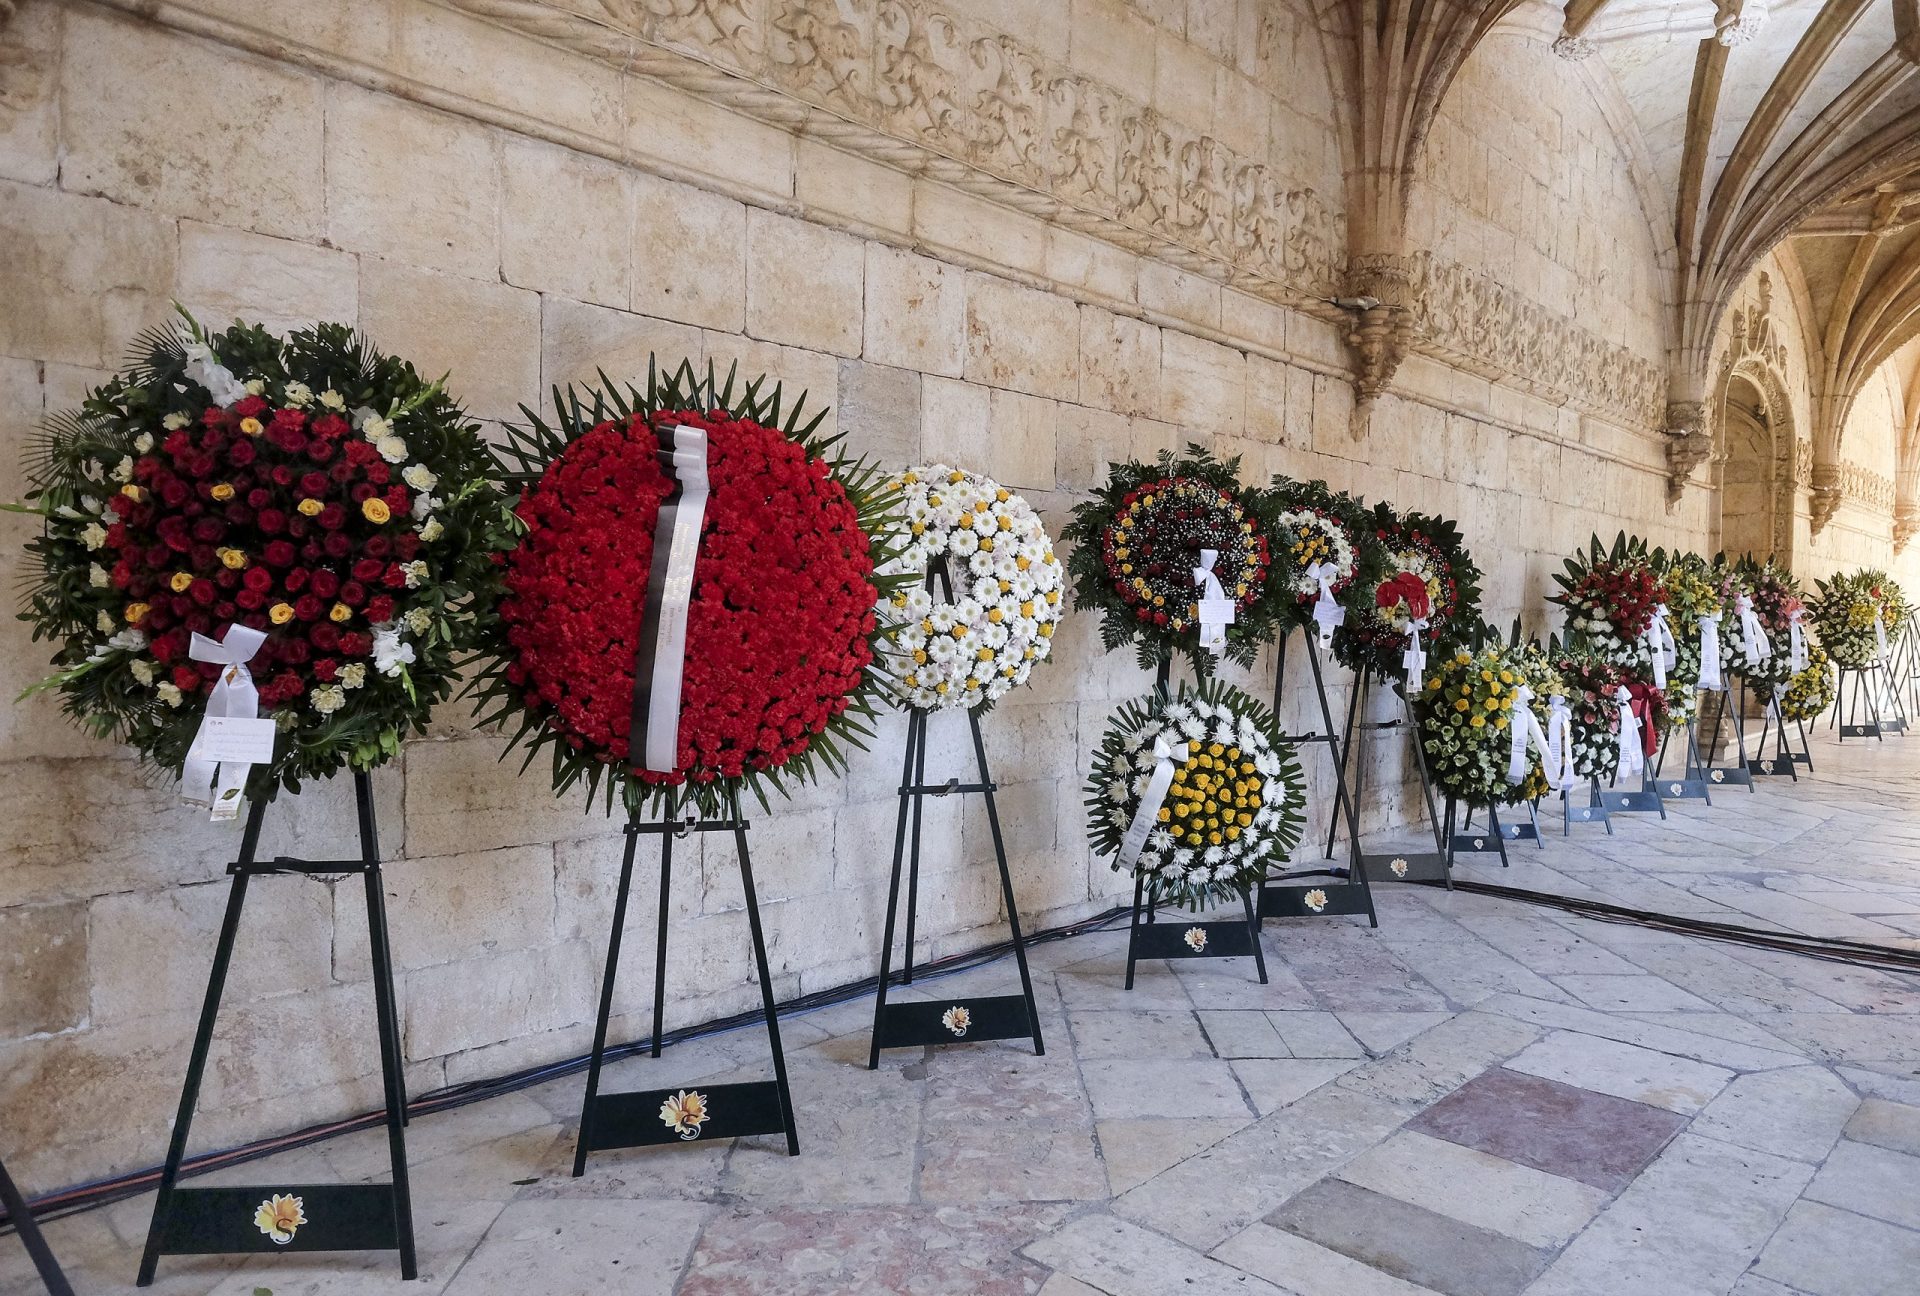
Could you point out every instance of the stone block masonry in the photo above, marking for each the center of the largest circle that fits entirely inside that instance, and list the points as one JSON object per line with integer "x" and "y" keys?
{"x": 519, "y": 213}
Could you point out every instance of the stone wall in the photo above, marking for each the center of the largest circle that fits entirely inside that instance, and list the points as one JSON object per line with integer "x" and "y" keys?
{"x": 482, "y": 187}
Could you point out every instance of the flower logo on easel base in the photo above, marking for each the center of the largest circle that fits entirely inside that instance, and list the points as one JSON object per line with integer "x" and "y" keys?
{"x": 1399, "y": 867}
{"x": 1674, "y": 789}
{"x": 957, "y": 1019}
{"x": 1196, "y": 939}
{"x": 685, "y": 1112}
{"x": 280, "y": 1217}
{"x": 1718, "y": 776}
{"x": 1315, "y": 900}
{"x": 1479, "y": 843}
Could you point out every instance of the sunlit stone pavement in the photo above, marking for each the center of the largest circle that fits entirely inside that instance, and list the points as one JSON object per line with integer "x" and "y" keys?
{"x": 1481, "y": 1097}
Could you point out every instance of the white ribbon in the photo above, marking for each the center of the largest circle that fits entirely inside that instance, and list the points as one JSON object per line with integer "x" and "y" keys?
{"x": 1632, "y": 758}
{"x": 662, "y": 747}
{"x": 1660, "y": 642}
{"x": 1414, "y": 659}
{"x": 1879, "y": 636}
{"x": 1556, "y": 758}
{"x": 214, "y": 376}
{"x": 1753, "y": 637}
{"x": 1168, "y": 758}
{"x": 1523, "y": 726}
{"x": 1216, "y": 609}
{"x": 1796, "y": 642}
{"x": 1326, "y": 612}
{"x": 218, "y": 784}
{"x": 1710, "y": 677}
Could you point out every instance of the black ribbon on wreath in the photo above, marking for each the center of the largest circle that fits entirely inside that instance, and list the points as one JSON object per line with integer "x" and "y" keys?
{"x": 662, "y": 657}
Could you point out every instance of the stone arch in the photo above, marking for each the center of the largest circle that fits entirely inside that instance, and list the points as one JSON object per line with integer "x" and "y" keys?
{"x": 1760, "y": 461}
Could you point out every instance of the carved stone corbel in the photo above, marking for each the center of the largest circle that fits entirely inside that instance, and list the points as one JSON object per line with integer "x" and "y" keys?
{"x": 1735, "y": 22}
{"x": 1824, "y": 501}
{"x": 1689, "y": 443}
{"x": 1379, "y": 335}
{"x": 1906, "y": 524}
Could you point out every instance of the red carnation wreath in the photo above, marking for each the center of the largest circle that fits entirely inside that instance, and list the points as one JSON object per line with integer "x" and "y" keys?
{"x": 781, "y": 627}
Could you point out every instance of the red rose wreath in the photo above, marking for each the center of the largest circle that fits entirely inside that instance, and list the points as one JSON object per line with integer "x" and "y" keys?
{"x": 781, "y": 626}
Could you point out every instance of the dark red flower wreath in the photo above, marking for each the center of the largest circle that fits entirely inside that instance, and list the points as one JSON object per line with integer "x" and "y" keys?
{"x": 781, "y": 628}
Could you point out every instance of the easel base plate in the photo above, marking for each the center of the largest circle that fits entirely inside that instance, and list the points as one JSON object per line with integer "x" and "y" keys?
{"x": 1406, "y": 866}
{"x": 994, "y": 1017}
{"x": 624, "y": 1120}
{"x": 1687, "y": 789}
{"x": 340, "y": 1217}
{"x": 1625, "y": 802}
{"x": 1778, "y": 766}
{"x": 1342, "y": 898}
{"x": 1169, "y": 940}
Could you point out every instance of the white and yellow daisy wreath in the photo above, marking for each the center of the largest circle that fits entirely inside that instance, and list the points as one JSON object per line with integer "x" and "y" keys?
{"x": 1006, "y": 590}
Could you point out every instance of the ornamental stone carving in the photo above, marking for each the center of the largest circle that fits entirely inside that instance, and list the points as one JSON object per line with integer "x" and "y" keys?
{"x": 1689, "y": 444}
{"x": 1824, "y": 502}
{"x": 923, "y": 90}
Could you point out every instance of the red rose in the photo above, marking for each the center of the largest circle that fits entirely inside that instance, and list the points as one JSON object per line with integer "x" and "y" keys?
{"x": 186, "y": 678}
{"x": 332, "y": 517}
{"x": 331, "y": 426}
{"x": 279, "y": 553}
{"x": 353, "y": 593}
{"x": 249, "y": 407}
{"x": 308, "y": 607}
{"x": 380, "y": 609}
{"x": 325, "y": 584}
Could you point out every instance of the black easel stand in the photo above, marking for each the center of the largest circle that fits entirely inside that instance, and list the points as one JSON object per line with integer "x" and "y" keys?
{"x": 1156, "y": 940}
{"x": 1279, "y": 896}
{"x": 1723, "y": 708}
{"x": 946, "y": 1021}
{"x": 1773, "y": 724}
{"x": 1693, "y": 783}
{"x": 1645, "y": 799}
{"x": 30, "y": 1236}
{"x": 1463, "y": 840}
{"x": 1399, "y": 866}
{"x": 1594, "y": 811}
{"x": 1866, "y": 696}
{"x": 339, "y": 1217}
{"x": 623, "y": 1120}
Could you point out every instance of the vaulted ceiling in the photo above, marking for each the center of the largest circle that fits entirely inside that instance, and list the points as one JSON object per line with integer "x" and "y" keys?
{"x": 1796, "y": 123}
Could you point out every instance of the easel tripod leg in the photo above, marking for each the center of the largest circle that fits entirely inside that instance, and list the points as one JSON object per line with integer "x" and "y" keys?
{"x": 914, "y": 719}
{"x": 597, "y": 1057}
{"x": 1006, "y": 885}
{"x": 766, "y": 977}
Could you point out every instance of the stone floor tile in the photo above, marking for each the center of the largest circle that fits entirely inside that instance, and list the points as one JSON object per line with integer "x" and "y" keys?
{"x": 1642, "y": 993}
{"x": 1061, "y": 1285}
{"x": 1490, "y": 1192}
{"x": 1153, "y": 987}
{"x": 1315, "y": 1035}
{"x": 1122, "y": 1259}
{"x": 873, "y": 1251}
{"x": 1242, "y": 1033}
{"x": 582, "y": 1246}
{"x": 1827, "y": 1252}
{"x": 1384, "y": 1031}
{"x": 967, "y": 1086}
{"x": 1207, "y": 1198}
{"x": 1272, "y": 1083}
{"x": 1410, "y": 1242}
{"x": 1441, "y": 1060}
{"x": 1886, "y": 1124}
{"x": 1797, "y": 1112}
{"x": 1667, "y": 1039}
{"x": 1137, "y": 1033}
{"x": 1691, "y": 1223}
{"x": 1576, "y": 1133}
{"x": 1869, "y": 1180}
{"x": 1124, "y": 1088}
{"x": 1623, "y": 1070}
{"x": 1011, "y": 1162}
{"x": 1136, "y": 1150}
{"x": 1307, "y": 1267}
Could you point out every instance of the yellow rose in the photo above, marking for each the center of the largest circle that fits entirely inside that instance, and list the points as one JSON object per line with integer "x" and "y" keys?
{"x": 375, "y": 510}
{"x": 251, "y": 426}
{"x": 232, "y": 559}
{"x": 280, "y": 613}
{"x": 136, "y": 612}
{"x": 223, "y": 492}
{"x": 133, "y": 492}
{"x": 181, "y": 582}
{"x": 340, "y": 612}
{"x": 309, "y": 507}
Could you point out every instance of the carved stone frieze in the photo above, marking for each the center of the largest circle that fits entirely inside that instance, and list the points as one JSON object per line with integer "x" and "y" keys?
{"x": 922, "y": 89}
{"x": 1866, "y": 488}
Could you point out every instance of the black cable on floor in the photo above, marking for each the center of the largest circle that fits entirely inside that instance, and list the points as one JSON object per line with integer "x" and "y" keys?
{"x": 103, "y": 1192}
{"x": 1884, "y": 958}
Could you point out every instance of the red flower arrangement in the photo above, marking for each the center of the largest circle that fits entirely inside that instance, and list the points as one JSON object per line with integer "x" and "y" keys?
{"x": 1429, "y": 575}
{"x": 1139, "y": 539}
{"x": 308, "y": 488}
{"x": 781, "y": 627}
{"x": 1610, "y": 596}
{"x": 1593, "y": 684}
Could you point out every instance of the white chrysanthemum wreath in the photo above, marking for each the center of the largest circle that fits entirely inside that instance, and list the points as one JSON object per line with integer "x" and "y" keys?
{"x": 1005, "y": 584}
{"x": 1231, "y": 793}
